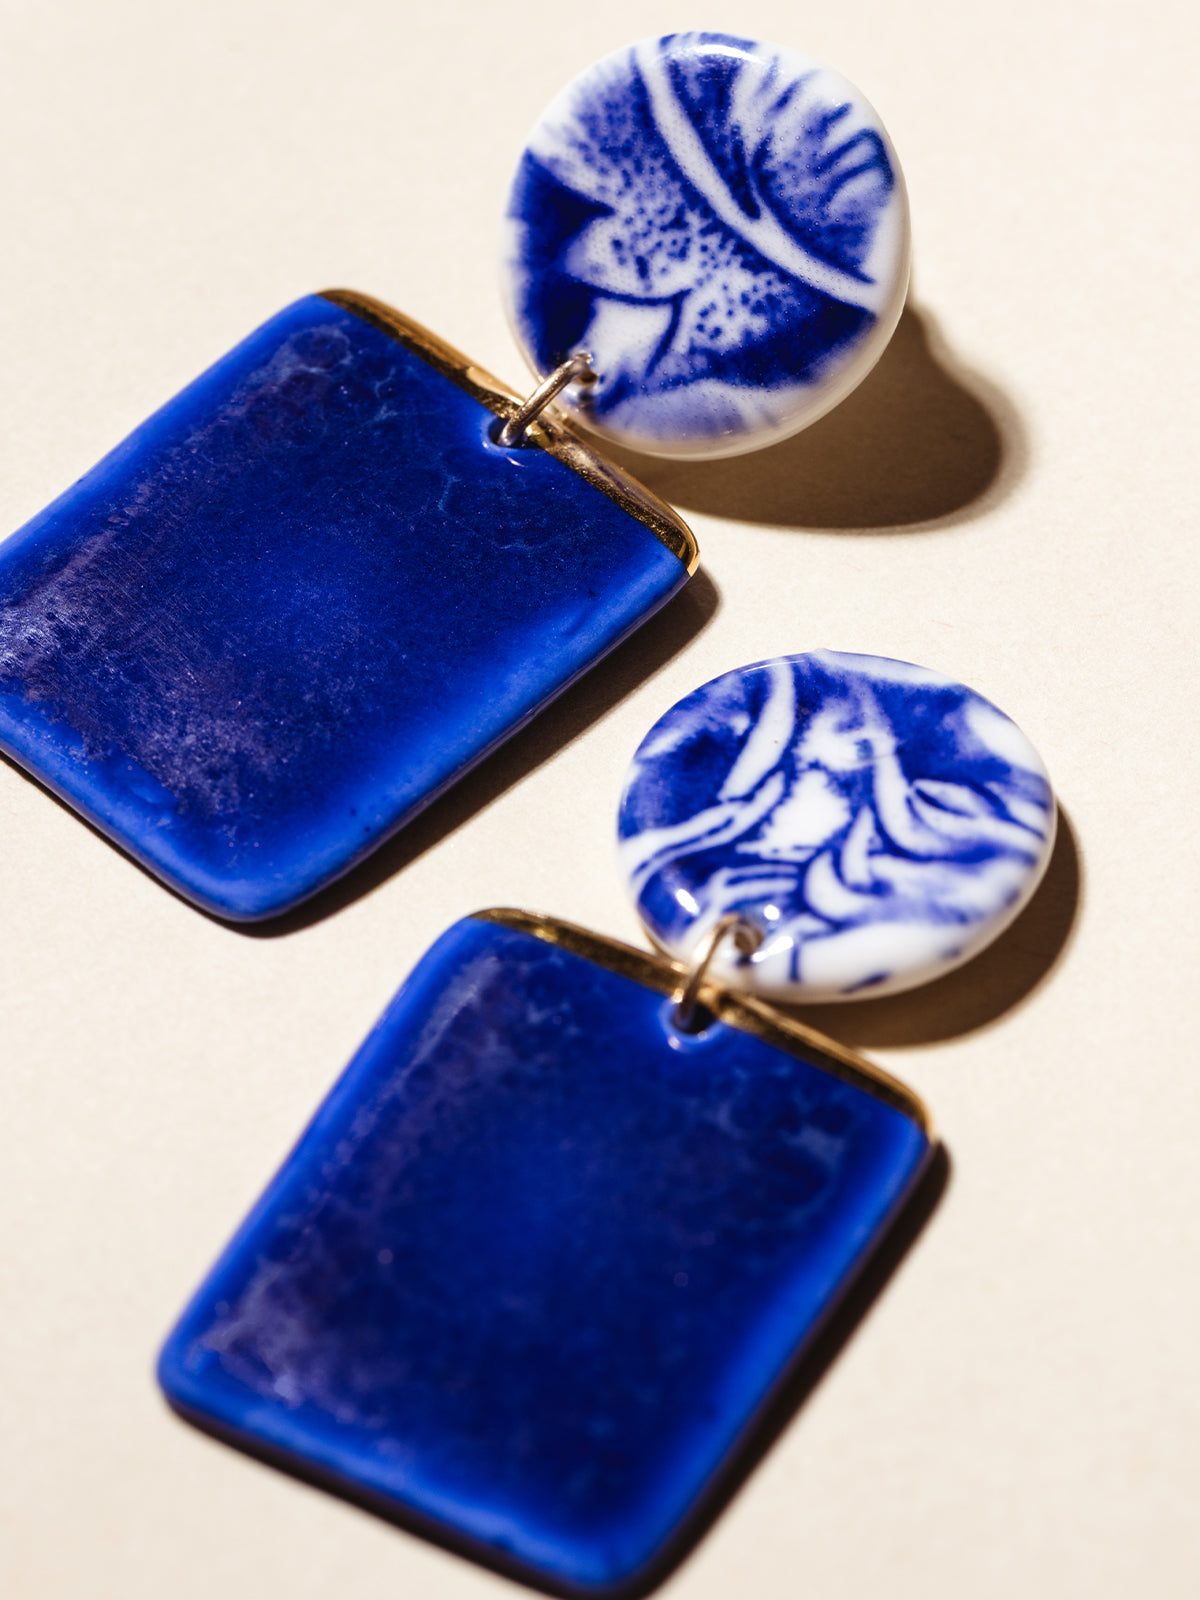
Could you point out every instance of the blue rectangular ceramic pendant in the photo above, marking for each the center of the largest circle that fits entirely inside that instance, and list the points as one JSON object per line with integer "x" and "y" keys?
{"x": 305, "y": 596}
{"x": 541, "y": 1261}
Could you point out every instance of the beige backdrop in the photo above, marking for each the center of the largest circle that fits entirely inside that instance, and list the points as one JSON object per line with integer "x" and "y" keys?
{"x": 1009, "y": 499}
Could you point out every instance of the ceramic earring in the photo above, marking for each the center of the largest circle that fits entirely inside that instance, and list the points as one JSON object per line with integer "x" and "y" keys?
{"x": 321, "y": 583}
{"x": 559, "y": 1234}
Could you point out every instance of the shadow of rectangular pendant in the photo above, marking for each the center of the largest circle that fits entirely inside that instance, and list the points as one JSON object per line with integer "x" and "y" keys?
{"x": 540, "y": 1264}
{"x": 307, "y": 595}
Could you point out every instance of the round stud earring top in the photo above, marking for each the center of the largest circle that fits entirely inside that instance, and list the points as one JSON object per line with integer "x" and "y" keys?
{"x": 876, "y": 823}
{"x": 722, "y": 226}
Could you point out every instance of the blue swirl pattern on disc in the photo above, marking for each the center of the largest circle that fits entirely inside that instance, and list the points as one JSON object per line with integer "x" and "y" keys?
{"x": 879, "y": 822}
{"x": 723, "y": 226}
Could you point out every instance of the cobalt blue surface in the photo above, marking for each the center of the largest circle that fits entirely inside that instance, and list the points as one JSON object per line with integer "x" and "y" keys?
{"x": 297, "y": 603}
{"x": 702, "y": 214}
{"x": 877, "y": 820}
{"x": 538, "y": 1260}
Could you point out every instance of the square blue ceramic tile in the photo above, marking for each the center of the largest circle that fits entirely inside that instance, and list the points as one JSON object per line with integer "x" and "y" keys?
{"x": 303, "y": 598}
{"x": 540, "y": 1262}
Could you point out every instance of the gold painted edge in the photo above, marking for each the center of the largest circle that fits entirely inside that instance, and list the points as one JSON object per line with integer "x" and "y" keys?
{"x": 737, "y": 1010}
{"x": 551, "y": 432}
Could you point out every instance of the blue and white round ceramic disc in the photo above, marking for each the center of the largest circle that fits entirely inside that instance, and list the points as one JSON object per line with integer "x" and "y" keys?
{"x": 878, "y": 822}
{"x": 723, "y": 227}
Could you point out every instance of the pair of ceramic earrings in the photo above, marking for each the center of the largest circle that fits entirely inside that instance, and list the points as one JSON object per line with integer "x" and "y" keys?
{"x": 561, "y": 1230}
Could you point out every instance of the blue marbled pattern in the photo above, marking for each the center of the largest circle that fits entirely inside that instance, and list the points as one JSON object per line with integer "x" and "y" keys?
{"x": 723, "y": 226}
{"x": 296, "y": 604}
{"x": 880, "y": 823}
{"x": 538, "y": 1261}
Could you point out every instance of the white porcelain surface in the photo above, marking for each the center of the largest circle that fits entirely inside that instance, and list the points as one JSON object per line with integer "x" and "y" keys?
{"x": 723, "y": 226}
{"x": 878, "y": 823}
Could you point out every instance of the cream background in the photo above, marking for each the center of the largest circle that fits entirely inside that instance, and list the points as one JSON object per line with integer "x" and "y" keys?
{"x": 1012, "y": 504}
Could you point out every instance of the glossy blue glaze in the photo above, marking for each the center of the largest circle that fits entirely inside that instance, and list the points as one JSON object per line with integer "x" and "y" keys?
{"x": 879, "y": 823}
{"x": 296, "y": 604}
{"x": 722, "y": 225}
{"x": 538, "y": 1261}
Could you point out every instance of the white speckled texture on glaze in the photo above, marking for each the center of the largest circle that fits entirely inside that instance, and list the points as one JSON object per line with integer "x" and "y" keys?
{"x": 880, "y": 824}
{"x": 723, "y": 226}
